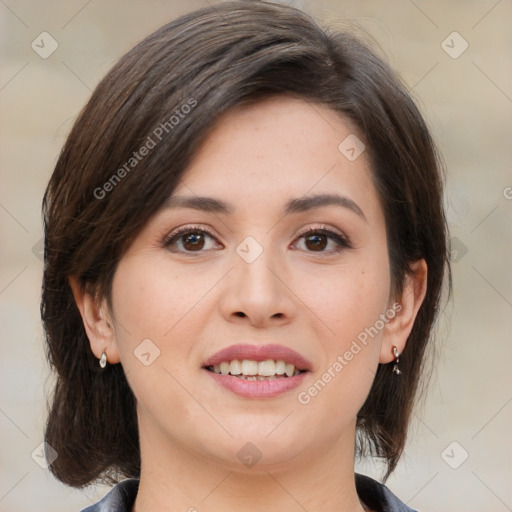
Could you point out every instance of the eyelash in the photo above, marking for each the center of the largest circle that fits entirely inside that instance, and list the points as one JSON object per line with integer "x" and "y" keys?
{"x": 342, "y": 242}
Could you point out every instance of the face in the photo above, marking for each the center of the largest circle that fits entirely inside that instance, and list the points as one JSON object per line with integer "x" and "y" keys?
{"x": 308, "y": 285}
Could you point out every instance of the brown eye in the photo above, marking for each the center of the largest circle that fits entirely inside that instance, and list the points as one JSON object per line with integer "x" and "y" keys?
{"x": 193, "y": 241}
{"x": 188, "y": 240}
{"x": 317, "y": 240}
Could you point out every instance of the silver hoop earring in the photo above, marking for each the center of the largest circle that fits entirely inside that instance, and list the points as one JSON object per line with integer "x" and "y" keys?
{"x": 397, "y": 359}
{"x": 103, "y": 359}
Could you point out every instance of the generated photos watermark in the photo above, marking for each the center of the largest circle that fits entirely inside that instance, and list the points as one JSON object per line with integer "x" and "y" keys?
{"x": 150, "y": 143}
{"x": 305, "y": 397}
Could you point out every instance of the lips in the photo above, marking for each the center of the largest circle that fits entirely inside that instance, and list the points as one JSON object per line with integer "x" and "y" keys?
{"x": 257, "y": 371}
{"x": 258, "y": 353}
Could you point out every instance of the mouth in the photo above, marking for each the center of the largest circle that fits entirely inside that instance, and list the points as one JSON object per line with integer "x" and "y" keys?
{"x": 257, "y": 371}
{"x": 250, "y": 369}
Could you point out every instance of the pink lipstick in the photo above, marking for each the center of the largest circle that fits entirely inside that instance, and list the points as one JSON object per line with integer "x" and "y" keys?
{"x": 257, "y": 371}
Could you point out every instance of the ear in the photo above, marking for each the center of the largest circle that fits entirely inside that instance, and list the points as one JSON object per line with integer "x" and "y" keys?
{"x": 97, "y": 321}
{"x": 406, "y": 307}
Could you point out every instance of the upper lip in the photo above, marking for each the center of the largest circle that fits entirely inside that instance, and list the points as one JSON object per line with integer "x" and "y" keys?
{"x": 259, "y": 353}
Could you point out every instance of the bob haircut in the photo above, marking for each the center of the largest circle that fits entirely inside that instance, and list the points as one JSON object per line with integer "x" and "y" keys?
{"x": 170, "y": 89}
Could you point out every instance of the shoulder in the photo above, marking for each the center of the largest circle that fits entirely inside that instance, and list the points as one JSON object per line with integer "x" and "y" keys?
{"x": 119, "y": 499}
{"x": 378, "y": 496}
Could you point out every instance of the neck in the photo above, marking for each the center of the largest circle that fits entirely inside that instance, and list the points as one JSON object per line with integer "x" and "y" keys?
{"x": 176, "y": 479}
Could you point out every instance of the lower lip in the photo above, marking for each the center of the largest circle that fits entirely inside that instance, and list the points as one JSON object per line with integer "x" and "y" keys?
{"x": 257, "y": 388}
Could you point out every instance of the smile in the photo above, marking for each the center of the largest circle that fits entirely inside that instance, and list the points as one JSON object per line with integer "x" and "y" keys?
{"x": 249, "y": 369}
{"x": 257, "y": 371}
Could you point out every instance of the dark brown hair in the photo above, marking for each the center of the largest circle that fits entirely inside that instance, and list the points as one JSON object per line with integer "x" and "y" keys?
{"x": 101, "y": 195}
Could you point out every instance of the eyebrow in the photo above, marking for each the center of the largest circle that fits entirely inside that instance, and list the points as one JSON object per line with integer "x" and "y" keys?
{"x": 298, "y": 205}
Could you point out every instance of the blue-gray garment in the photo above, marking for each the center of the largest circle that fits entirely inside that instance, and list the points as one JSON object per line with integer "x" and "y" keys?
{"x": 374, "y": 494}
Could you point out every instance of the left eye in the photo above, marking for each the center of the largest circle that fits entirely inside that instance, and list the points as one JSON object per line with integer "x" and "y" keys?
{"x": 317, "y": 239}
{"x": 191, "y": 240}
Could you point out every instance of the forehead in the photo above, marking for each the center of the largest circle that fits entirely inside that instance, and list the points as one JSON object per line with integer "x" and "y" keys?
{"x": 262, "y": 155}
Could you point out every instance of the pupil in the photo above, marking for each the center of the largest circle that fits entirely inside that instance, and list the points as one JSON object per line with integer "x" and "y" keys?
{"x": 317, "y": 243}
{"x": 192, "y": 239}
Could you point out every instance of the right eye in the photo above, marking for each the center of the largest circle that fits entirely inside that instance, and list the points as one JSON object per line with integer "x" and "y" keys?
{"x": 188, "y": 240}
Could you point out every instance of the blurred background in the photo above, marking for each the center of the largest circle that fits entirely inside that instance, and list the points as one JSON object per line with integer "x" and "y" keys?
{"x": 456, "y": 58}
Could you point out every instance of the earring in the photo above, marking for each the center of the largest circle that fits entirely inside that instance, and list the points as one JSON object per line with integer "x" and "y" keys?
{"x": 103, "y": 359}
{"x": 397, "y": 355}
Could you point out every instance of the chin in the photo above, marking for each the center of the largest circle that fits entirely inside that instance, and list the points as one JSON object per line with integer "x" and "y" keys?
{"x": 261, "y": 445}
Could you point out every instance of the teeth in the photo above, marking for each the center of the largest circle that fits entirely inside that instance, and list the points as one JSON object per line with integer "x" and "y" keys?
{"x": 235, "y": 367}
{"x": 256, "y": 377}
{"x": 280, "y": 367}
{"x": 267, "y": 368}
{"x": 253, "y": 370}
{"x": 249, "y": 367}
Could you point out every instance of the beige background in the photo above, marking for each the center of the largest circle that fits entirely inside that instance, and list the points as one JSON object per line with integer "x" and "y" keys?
{"x": 467, "y": 102}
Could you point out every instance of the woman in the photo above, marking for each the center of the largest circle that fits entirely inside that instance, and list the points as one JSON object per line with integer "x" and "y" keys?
{"x": 245, "y": 247}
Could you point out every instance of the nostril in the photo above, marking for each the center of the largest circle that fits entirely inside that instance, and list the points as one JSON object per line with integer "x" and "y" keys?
{"x": 240, "y": 313}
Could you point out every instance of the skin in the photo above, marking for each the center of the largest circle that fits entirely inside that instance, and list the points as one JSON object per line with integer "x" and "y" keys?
{"x": 314, "y": 301}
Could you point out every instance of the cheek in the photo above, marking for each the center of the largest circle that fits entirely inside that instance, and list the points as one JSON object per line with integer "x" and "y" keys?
{"x": 150, "y": 313}
{"x": 150, "y": 298}
{"x": 354, "y": 298}
{"x": 351, "y": 352}
{"x": 353, "y": 302}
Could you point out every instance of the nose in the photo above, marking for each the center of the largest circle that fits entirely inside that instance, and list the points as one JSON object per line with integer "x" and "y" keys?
{"x": 258, "y": 293}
